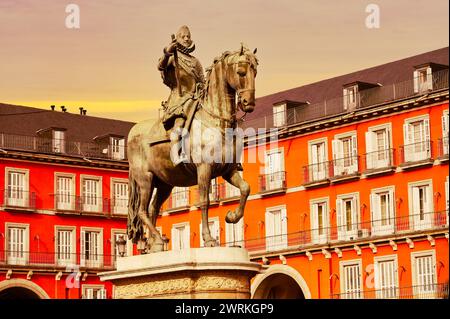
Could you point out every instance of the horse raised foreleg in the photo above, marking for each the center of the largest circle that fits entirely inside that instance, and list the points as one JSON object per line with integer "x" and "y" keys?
{"x": 235, "y": 179}
{"x": 162, "y": 193}
{"x": 204, "y": 182}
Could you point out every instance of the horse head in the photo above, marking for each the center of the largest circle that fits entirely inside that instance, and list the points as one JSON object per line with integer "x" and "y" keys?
{"x": 241, "y": 77}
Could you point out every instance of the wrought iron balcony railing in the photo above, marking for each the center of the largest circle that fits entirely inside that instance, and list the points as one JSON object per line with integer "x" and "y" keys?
{"x": 64, "y": 147}
{"x": 415, "y": 152}
{"x": 82, "y": 204}
{"x": 228, "y": 191}
{"x": 56, "y": 259}
{"x": 428, "y": 291}
{"x": 443, "y": 147}
{"x": 271, "y": 182}
{"x": 178, "y": 200}
{"x": 379, "y": 159}
{"x": 344, "y": 166}
{"x": 328, "y": 235}
{"x": 316, "y": 172}
{"x": 14, "y": 198}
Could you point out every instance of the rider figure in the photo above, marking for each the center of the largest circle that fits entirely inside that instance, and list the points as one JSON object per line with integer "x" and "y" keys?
{"x": 183, "y": 74}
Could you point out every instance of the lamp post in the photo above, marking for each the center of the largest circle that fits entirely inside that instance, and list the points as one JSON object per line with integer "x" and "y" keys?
{"x": 121, "y": 245}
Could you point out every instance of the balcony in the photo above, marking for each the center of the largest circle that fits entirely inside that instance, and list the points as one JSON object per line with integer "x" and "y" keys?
{"x": 401, "y": 226}
{"x": 228, "y": 193}
{"x": 178, "y": 201}
{"x": 119, "y": 207}
{"x": 379, "y": 162}
{"x": 344, "y": 169}
{"x": 17, "y": 200}
{"x": 50, "y": 260}
{"x": 416, "y": 155}
{"x": 83, "y": 205}
{"x": 315, "y": 175}
{"x": 429, "y": 291}
{"x": 442, "y": 149}
{"x": 52, "y": 146}
{"x": 273, "y": 183}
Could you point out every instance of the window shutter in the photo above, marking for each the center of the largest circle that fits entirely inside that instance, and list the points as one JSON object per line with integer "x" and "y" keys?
{"x": 446, "y": 196}
{"x": 416, "y": 81}
{"x": 229, "y": 234}
{"x": 284, "y": 225}
{"x": 375, "y": 206}
{"x": 391, "y": 207}
{"x": 355, "y": 213}
{"x": 445, "y": 125}
{"x": 175, "y": 239}
{"x": 354, "y": 146}
{"x": 122, "y": 148}
{"x": 269, "y": 229}
{"x": 369, "y": 142}
{"x": 82, "y": 248}
{"x": 429, "y": 79}
{"x": 101, "y": 294}
{"x": 428, "y": 200}
{"x": 202, "y": 243}
{"x": 187, "y": 236}
{"x": 314, "y": 158}
{"x": 340, "y": 214}
{"x": 426, "y": 135}
{"x": 415, "y": 200}
{"x": 89, "y": 293}
{"x": 239, "y": 232}
{"x": 314, "y": 217}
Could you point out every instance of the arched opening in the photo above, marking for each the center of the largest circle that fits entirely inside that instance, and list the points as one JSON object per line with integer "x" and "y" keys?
{"x": 17, "y": 293}
{"x": 279, "y": 286}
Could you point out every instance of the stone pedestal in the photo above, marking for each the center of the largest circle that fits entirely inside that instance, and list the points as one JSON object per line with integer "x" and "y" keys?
{"x": 197, "y": 273}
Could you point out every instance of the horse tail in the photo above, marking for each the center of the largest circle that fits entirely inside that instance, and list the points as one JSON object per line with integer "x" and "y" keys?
{"x": 135, "y": 226}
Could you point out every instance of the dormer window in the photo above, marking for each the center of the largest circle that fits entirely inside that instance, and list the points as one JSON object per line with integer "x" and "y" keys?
{"x": 58, "y": 141}
{"x": 117, "y": 148}
{"x": 423, "y": 80}
{"x": 350, "y": 97}
{"x": 279, "y": 115}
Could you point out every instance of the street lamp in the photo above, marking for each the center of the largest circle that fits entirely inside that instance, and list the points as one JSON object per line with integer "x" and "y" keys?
{"x": 121, "y": 245}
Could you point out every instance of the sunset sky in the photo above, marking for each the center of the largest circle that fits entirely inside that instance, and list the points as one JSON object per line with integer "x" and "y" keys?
{"x": 108, "y": 66}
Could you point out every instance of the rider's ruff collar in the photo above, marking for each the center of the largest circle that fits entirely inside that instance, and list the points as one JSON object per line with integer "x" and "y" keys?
{"x": 184, "y": 49}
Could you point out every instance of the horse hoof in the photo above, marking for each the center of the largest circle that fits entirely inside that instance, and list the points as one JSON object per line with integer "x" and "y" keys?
{"x": 211, "y": 243}
{"x": 232, "y": 217}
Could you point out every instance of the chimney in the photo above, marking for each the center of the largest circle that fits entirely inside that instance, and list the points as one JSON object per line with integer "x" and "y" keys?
{"x": 81, "y": 110}
{"x": 63, "y": 108}
{"x": 84, "y": 112}
{"x": 52, "y": 107}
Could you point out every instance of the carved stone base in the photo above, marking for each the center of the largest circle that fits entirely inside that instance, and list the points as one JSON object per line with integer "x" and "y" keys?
{"x": 198, "y": 273}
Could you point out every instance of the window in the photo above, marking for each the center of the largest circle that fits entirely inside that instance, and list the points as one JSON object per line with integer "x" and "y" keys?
{"x": 65, "y": 191}
{"x": 421, "y": 204}
{"x": 17, "y": 239}
{"x": 446, "y": 201}
{"x": 383, "y": 211}
{"x": 417, "y": 140}
{"x": 235, "y": 233}
{"x": 345, "y": 154}
{"x": 214, "y": 229}
{"x": 118, "y": 148}
{"x": 386, "y": 279}
{"x": 180, "y": 196}
{"x": 348, "y": 217}
{"x": 378, "y": 146}
{"x": 91, "y": 247}
{"x": 319, "y": 221}
{"x": 181, "y": 236}
{"x": 318, "y": 160}
{"x": 279, "y": 115}
{"x": 424, "y": 274}
{"x": 423, "y": 80}
{"x": 445, "y": 132}
{"x": 351, "y": 279}
{"x": 120, "y": 197}
{"x": 58, "y": 141}
{"x": 65, "y": 245}
{"x": 274, "y": 169}
{"x": 350, "y": 97}
{"x": 276, "y": 228}
{"x": 94, "y": 292}
{"x": 91, "y": 190}
{"x": 17, "y": 189}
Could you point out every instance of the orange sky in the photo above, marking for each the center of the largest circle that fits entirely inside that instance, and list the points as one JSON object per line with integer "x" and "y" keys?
{"x": 109, "y": 65}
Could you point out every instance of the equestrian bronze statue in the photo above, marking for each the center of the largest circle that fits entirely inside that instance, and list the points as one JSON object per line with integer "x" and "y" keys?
{"x": 196, "y": 105}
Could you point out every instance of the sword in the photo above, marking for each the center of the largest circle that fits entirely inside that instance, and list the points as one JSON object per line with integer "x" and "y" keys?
{"x": 177, "y": 67}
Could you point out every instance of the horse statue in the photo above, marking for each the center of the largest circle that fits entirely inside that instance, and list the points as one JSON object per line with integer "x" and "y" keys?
{"x": 151, "y": 168}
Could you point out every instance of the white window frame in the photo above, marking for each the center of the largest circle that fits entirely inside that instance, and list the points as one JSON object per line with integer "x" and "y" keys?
{"x": 175, "y": 235}
{"x": 73, "y": 246}
{"x": 418, "y": 290}
{"x": 18, "y": 257}
{"x": 180, "y": 197}
{"x": 69, "y": 202}
{"x": 276, "y": 241}
{"x": 89, "y": 207}
{"x": 410, "y": 152}
{"x": 98, "y": 261}
{"x": 378, "y": 229}
{"x": 235, "y": 233}
{"x": 316, "y": 237}
{"x": 355, "y": 232}
{"x": 445, "y": 132}
{"x": 273, "y": 177}
{"x": 215, "y": 230}
{"x": 345, "y": 165}
{"x": 120, "y": 205}
{"x": 17, "y": 197}
{"x": 58, "y": 142}
{"x": 425, "y": 86}
{"x": 350, "y": 104}
{"x": 318, "y": 166}
{"x": 279, "y": 115}
{"x": 117, "y": 145}
{"x": 415, "y": 219}
{"x": 372, "y": 152}
{"x": 346, "y": 291}
{"x": 390, "y": 292}
{"x": 88, "y": 290}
